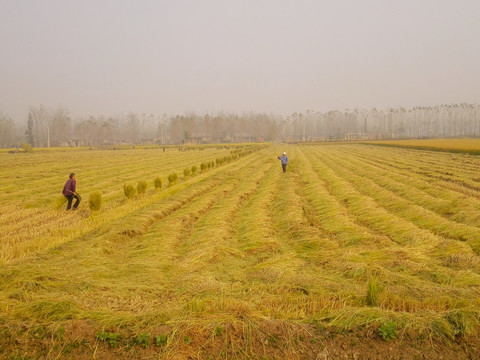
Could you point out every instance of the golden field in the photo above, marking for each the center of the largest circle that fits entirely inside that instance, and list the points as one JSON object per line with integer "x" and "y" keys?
{"x": 464, "y": 145}
{"x": 373, "y": 247}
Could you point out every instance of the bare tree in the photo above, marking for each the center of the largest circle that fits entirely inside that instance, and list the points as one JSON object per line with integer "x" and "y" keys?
{"x": 60, "y": 127}
{"x": 29, "y": 131}
{"x": 41, "y": 119}
{"x": 7, "y": 131}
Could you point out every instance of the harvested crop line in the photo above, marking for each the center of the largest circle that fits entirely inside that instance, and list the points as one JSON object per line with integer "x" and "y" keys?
{"x": 54, "y": 227}
{"x": 331, "y": 213}
{"x": 454, "y": 168}
{"x": 403, "y": 208}
{"x": 240, "y": 258}
{"x": 445, "y": 202}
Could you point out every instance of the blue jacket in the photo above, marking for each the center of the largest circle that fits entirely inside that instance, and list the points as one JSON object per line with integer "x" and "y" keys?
{"x": 284, "y": 159}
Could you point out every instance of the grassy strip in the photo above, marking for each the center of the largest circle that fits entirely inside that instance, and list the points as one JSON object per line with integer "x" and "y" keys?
{"x": 462, "y": 145}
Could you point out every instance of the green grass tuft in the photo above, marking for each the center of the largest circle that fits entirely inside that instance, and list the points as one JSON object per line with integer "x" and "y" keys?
{"x": 463, "y": 321}
{"x": 129, "y": 191}
{"x": 95, "y": 200}
{"x": 373, "y": 292}
{"x": 27, "y": 147}
{"x": 141, "y": 187}
{"x": 172, "y": 179}
{"x": 158, "y": 183}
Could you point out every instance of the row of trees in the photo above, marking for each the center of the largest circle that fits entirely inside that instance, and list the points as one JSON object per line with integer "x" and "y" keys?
{"x": 7, "y": 131}
{"x": 54, "y": 127}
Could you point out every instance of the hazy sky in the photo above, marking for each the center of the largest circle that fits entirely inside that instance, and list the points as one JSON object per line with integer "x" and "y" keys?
{"x": 109, "y": 57}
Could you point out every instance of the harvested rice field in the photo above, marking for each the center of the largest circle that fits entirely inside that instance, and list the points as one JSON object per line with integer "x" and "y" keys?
{"x": 357, "y": 251}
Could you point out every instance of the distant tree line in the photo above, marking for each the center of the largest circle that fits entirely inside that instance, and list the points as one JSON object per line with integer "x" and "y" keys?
{"x": 47, "y": 127}
{"x": 7, "y": 131}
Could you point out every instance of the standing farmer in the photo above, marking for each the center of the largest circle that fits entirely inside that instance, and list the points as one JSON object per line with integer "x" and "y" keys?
{"x": 69, "y": 191}
{"x": 284, "y": 161}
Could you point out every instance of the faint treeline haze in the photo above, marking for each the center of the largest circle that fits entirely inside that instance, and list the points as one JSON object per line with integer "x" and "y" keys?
{"x": 47, "y": 127}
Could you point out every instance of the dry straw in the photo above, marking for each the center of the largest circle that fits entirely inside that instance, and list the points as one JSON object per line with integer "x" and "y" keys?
{"x": 345, "y": 239}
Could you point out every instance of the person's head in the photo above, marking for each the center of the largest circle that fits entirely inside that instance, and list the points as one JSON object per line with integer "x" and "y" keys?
{"x": 72, "y": 175}
{"x": 284, "y": 153}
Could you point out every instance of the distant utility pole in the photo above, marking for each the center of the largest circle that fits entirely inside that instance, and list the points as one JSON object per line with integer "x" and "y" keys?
{"x": 304, "y": 128}
{"x": 164, "y": 120}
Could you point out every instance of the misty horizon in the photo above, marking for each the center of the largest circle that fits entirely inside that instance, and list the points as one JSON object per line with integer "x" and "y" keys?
{"x": 277, "y": 57}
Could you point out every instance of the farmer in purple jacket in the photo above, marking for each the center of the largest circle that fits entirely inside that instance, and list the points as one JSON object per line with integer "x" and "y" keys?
{"x": 70, "y": 192}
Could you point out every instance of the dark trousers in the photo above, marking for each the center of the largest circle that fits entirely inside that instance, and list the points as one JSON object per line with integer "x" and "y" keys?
{"x": 284, "y": 167}
{"x": 70, "y": 199}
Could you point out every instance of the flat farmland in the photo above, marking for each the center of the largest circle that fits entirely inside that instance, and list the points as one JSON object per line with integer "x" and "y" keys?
{"x": 358, "y": 251}
{"x": 461, "y": 145}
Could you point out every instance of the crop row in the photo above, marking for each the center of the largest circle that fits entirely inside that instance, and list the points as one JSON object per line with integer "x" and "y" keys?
{"x": 351, "y": 235}
{"x": 30, "y": 222}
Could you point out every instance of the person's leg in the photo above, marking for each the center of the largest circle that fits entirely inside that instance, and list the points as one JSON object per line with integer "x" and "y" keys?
{"x": 78, "y": 198}
{"x": 284, "y": 167}
{"x": 69, "y": 201}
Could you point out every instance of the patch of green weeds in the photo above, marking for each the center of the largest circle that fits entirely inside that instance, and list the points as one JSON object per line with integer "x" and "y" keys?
{"x": 187, "y": 340}
{"x": 160, "y": 340}
{"x": 39, "y": 332}
{"x": 142, "y": 339}
{"x": 218, "y": 331}
{"x": 59, "y": 333}
{"x": 388, "y": 330}
{"x": 463, "y": 321}
{"x": 110, "y": 338}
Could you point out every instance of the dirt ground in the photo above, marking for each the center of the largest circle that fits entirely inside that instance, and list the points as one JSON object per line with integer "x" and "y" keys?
{"x": 235, "y": 341}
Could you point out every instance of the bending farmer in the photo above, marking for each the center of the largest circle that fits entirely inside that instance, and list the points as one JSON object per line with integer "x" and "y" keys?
{"x": 284, "y": 161}
{"x": 69, "y": 191}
